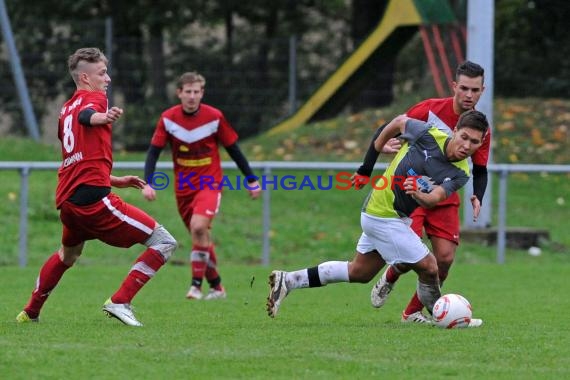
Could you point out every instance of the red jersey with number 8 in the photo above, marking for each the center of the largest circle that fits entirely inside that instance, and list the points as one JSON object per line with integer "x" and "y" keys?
{"x": 87, "y": 155}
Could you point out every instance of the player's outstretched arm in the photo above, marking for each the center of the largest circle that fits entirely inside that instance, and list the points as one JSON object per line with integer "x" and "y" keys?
{"x": 113, "y": 114}
{"x": 127, "y": 181}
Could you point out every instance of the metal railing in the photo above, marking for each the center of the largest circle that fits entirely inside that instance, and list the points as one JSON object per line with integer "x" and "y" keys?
{"x": 266, "y": 167}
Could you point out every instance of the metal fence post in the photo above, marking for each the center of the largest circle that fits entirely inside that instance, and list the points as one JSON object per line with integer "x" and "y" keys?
{"x": 23, "y": 246}
{"x": 109, "y": 55}
{"x": 481, "y": 49}
{"x": 266, "y": 218}
{"x": 502, "y": 218}
{"x": 18, "y": 74}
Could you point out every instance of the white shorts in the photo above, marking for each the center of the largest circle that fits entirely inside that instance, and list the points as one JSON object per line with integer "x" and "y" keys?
{"x": 392, "y": 238}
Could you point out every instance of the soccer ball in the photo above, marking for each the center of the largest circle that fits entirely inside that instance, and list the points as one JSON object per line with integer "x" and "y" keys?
{"x": 452, "y": 311}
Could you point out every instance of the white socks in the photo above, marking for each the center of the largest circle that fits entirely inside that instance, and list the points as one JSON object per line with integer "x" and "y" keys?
{"x": 333, "y": 271}
{"x": 328, "y": 272}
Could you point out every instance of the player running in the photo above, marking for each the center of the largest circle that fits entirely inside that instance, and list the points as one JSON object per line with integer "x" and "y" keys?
{"x": 88, "y": 208}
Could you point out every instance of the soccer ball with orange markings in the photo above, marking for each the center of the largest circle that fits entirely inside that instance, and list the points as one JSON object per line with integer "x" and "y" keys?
{"x": 452, "y": 311}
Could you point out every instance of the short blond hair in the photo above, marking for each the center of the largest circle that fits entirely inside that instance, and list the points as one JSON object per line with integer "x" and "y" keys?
{"x": 189, "y": 78}
{"x": 89, "y": 55}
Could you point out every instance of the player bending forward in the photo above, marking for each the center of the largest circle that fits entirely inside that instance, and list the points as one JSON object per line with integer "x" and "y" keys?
{"x": 434, "y": 166}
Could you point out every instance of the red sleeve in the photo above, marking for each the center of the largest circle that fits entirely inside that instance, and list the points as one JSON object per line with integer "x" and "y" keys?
{"x": 97, "y": 101}
{"x": 419, "y": 111}
{"x": 226, "y": 134}
{"x": 160, "y": 136}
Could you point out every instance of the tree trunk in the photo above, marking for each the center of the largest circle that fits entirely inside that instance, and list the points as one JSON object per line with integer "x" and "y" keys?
{"x": 229, "y": 35}
{"x": 270, "y": 26}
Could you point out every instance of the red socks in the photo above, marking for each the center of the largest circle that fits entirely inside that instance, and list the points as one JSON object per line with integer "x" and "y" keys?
{"x": 212, "y": 274}
{"x": 391, "y": 275}
{"x": 415, "y": 303}
{"x": 204, "y": 264}
{"x": 143, "y": 270}
{"x": 50, "y": 274}
{"x": 199, "y": 258}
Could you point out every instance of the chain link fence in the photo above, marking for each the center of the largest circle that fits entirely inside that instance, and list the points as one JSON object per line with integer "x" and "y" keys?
{"x": 255, "y": 86}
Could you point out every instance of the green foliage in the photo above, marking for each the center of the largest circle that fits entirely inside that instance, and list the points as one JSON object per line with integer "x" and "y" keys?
{"x": 19, "y": 149}
{"x": 43, "y": 50}
{"x": 241, "y": 48}
{"x": 140, "y": 121}
{"x": 435, "y": 11}
{"x": 532, "y": 46}
{"x": 532, "y": 130}
{"x": 529, "y": 131}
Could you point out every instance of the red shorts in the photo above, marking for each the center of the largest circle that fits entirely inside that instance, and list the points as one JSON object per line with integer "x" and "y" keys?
{"x": 203, "y": 202}
{"x": 440, "y": 221}
{"x": 110, "y": 220}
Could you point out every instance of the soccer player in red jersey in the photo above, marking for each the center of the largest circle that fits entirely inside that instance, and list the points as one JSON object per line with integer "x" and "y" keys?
{"x": 194, "y": 131}
{"x": 88, "y": 208}
{"x": 441, "y": 223}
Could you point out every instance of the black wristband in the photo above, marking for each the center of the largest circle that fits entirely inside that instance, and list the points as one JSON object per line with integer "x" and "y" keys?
{"x": 371, "y": 155}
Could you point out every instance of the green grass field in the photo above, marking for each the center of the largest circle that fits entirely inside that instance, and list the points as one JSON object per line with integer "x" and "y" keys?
{"x": 320, "y": 333}
{"x": 326, "y": 333}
